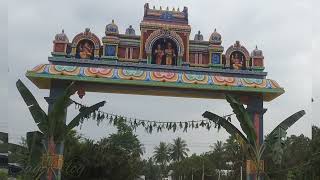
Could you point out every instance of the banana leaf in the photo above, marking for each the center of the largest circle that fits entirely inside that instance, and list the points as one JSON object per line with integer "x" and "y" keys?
{"x": 288, "y": 122}
{"x": 39, "y": 116}
{"x": 230, "y": 128}
{"x": 87, "y": 111}
{"x": 280, "y": 131}
{"x": 59, "y": 110}
{"x": 244, "y": 119}
{"x": 275, "y": 139}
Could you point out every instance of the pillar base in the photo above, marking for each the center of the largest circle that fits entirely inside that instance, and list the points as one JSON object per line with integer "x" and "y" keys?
{"x": 252, "y": 170}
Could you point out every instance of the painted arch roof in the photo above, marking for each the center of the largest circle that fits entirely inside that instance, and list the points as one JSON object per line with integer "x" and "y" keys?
{"x": 161, "y": 82}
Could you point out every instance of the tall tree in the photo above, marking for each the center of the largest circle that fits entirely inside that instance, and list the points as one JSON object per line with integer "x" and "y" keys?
{"x": 117, "y": 156}
{"x": 217, "y": 154}
{"x": 315, "y": 147}
{"x": 178, "y": 150}
{"x": 218, "y": 147}
{"x": 151, "y": 170}
{"x": 52, "y": 127}
{"x": 235, "y": 155}
{"x": 161, "y": 156}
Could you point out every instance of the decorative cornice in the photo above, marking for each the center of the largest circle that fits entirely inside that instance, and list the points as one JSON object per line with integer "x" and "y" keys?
{"x": 155, "y": 78}
{"x": 98, "y": 63}
{"x": 157, "y": 25}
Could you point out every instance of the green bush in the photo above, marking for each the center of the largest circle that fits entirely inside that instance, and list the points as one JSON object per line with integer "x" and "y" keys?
{"x": 3, "y": 175}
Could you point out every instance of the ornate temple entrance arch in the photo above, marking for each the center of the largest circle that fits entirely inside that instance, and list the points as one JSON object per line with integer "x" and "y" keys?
{"x": 122, "y": 64}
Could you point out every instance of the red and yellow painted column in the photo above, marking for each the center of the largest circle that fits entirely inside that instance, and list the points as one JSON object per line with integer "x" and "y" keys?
{"x": 256, "y": 111}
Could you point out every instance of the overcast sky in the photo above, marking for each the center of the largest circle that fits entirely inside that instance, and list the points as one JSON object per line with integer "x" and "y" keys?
{"x": 282, "y": 29}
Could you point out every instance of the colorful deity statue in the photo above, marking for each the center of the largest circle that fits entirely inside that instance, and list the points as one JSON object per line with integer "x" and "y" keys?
{"x": 237, "y": 61}
{"x": 85, "y": 51}
{"x": 170, "y": 54}
{"x": 159, "y": 54}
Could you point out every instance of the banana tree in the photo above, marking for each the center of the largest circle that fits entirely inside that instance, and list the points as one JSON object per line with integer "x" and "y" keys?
{"x": 52, "y": 127}
{"x": 248, "y": 138}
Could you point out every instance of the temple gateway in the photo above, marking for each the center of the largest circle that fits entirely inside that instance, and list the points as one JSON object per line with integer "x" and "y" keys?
{"x": 163, "y": 61}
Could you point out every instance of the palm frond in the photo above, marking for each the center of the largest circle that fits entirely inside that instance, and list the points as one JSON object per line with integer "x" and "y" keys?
{"x": 39, "y": 116}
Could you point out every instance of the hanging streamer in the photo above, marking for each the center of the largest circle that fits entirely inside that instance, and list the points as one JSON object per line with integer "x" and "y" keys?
{"x": 149, "y": 125}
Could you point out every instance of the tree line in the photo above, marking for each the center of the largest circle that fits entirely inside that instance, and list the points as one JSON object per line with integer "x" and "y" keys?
{"x": 226, "y": 160}
{"x": 120, "y": 156}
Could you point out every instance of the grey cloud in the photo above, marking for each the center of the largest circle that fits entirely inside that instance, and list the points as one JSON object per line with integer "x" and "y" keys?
{"x": 282, "y": 29}
{"x": 3, "y": 66}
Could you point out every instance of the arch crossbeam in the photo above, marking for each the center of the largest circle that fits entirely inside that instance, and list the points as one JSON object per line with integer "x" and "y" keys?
{"x": 159, "y": 82}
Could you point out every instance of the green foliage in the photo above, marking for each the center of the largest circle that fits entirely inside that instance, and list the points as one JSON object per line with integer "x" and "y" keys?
{"x": 243, "y": 118}
{"x": 3, "y": 142}
{"x": 52, "y": 126}
{"x": 295, "y": 161}
{"x": 84, "y": 113}
{"x": 35, "y": 145}
{"x": 222, "y": 157}
{"x": 39, "y": 116}
{"x": 315, "y": 149}
{"x": 222, "y": 122}
{"x": 151, "y": 170}
{"x": 161, "y": 156}
{"x": 178, "y": 150}
{"x": 19, "y": 153}
{"x": 102, "y": 159}
{"x": 235, "y": 155}
{"x": 192, "y": 166}
{"x": 3, "y": 175}
{"x": 253, "y": 148}
{"x": 287, "y": 123}
{"x": 115, "y": 157}
{"x": 276, "y": 139}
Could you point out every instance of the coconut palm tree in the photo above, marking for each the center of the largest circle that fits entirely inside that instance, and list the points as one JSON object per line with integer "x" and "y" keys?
{"x": 161, "y": 155}
{"x": 52, "y": 127}
{"x": 217, "y": 147}
{"x": 178, "y": 150}
{"x": 218, "y": 152}
{"x": 248, "y": 139}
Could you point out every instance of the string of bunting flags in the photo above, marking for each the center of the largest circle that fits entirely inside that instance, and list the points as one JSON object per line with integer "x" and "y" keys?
{"x": 149, "y": 125}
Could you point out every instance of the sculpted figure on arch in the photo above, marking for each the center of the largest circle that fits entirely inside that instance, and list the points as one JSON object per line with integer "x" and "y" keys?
{"x": 159, "y": 54}
{"x": 170, "y": 54}
{"x": 85, "y": 51}
{"x": 237, "y": 61}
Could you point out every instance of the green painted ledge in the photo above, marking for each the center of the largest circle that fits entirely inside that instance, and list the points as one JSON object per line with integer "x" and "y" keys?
{"x": 42, "y": 81}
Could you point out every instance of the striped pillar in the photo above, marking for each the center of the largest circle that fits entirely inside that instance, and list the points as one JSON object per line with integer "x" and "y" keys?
{"x": 57, "y": 89}
{"x": 256, "y": 111}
